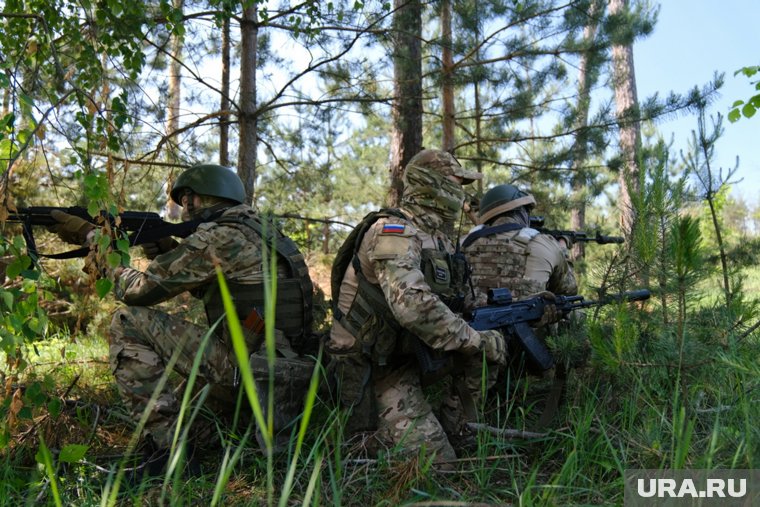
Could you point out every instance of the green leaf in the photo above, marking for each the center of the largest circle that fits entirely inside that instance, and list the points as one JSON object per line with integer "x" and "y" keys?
{"x": 122, "y": 245}
{"x": 35, "y": 325}
{"x": 734, "y": 115}
{"x": 54, "y": 407}
{"x": 14, "y": 268}
{"x": 7, "y": 120}
{"x": 6, "y": 148}
{"x": 103, "y": 287}
{"x": 104, "y": 242}
{"x": 748, "y": 110}
{"x": 7, "y": 299}
{"x": 114, "y": 259}
{"x": 30, "y": 274}
{"x": 73, "y": 453}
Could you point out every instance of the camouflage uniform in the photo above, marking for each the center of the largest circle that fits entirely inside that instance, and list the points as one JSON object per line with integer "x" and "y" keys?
{"x": 142, "y": 340}
{"x": 519, "y": 258}
{"x": 375, "y": 362}
{"x": 522, "y": 260}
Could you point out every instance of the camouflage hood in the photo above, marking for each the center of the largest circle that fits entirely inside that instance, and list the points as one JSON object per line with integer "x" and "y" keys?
{"x": 434, "y": 199}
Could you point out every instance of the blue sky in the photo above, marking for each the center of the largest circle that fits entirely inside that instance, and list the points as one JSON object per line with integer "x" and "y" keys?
{"x": 692, "y": 40}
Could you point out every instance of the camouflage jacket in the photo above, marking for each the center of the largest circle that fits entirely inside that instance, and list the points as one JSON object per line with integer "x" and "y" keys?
{"x": 191, "y": 265}
{"x": 390, "y": 256}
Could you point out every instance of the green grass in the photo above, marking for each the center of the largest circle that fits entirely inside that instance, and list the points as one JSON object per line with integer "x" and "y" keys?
{"x": 639, "y": 402}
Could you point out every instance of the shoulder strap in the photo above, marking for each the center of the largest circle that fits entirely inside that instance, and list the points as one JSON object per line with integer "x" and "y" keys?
{"x": 347, "y": 252}
{"x": 490, "y": 231}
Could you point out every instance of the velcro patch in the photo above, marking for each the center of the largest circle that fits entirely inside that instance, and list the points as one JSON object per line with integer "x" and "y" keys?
{"x": 393, "y": 229}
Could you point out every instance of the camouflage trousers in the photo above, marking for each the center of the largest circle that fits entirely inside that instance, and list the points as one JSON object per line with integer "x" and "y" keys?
{"x": 406, "y": 418}
{"x": 143, "y": 340}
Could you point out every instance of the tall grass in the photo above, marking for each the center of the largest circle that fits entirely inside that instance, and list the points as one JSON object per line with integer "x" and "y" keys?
{"x": 672, "y": 383}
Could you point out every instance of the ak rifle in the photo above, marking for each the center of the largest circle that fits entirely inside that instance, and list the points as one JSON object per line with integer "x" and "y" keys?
{"x": 537, "y": 222}
{"x": 140, "y": 227}
{"x": 514, "y": 318}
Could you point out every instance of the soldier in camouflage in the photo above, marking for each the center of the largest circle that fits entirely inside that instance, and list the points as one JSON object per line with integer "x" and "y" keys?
{"x": 398, "y": 287}
{"x": 143, "y": 339}
{"x": 504, "y": 251}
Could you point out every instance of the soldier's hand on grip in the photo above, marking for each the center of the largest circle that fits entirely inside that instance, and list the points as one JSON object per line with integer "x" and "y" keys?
{"x": 163, "y": 245}
{"x": 495, "y": 346}
{"x": 551, "y": 314}
{"x": 70, "y": 228}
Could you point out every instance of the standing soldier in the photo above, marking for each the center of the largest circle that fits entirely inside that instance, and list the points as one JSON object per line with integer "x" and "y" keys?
{"x": 142, "y": 340}
{"x": 397, "y": 285}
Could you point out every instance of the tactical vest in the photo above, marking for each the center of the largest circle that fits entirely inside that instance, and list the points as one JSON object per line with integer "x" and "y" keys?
{"x": 500, "y": 260}
{"x": 369, "y": 318}
{"x": 293, "y": 305}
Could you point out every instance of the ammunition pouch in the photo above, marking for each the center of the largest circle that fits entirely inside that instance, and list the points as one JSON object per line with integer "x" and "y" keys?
{"x": 447, "y": 275}
{"x": 291, "y": 379}
{"x": 249, "y": 298}
{"x": 353, "y": 376}
{"x": 371, "y": 322}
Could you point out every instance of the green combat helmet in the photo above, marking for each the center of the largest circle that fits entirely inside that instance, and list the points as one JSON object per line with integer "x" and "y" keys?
{"x": 501, "y": 199}
{"x": 210, "y": 179}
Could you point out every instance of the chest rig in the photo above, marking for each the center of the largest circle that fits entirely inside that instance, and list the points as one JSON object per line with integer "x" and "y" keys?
{"x": 369, "y": 318}
{"x": 499, "y": 259}
{"x": 293, "y": 304}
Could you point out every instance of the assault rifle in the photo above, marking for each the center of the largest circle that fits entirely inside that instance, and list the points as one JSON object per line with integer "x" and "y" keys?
{"x": 141, "y": 226}
{"x": 513, "y": 318}
{"x": 537, "y": 222}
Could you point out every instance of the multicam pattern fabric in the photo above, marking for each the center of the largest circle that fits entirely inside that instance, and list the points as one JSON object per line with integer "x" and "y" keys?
{"x": 392, "y": 260}
{"x": 142, "y": 340}
{"x": 405, "y": 417}
{"x": 523, "y": 261}
{"x": 192, "y": 264}
{"x": 433, "y": 198}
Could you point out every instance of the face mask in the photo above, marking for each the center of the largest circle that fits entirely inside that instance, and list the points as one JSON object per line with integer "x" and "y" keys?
{"x": 433, "y": 191}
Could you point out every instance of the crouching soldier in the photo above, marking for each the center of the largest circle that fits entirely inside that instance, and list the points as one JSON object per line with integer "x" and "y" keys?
{"x": 142, "y": 339}
{"x": 396, "y": 285}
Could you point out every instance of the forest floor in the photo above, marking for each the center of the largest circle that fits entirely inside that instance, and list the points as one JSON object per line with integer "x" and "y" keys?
{"x": 69, "y": 432}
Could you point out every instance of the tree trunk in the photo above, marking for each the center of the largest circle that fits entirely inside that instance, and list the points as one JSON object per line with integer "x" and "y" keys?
{"x": 173, "y": 210}
{"x": 247, "y": 114}
{"x": 447, "y": 88}
{"x": 626, "y": 105}
{"x": 224, "y": 105}
{"x": 580, "y": 148}
{"x": 406, "y": 137}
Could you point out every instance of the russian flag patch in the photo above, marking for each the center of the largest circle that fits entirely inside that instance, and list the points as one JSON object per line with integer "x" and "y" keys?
{"x": 393, "y": 228}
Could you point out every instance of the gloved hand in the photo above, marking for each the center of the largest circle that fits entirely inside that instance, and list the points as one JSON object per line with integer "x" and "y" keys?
{"x": 70, "y": 228}
{"x": 495, "y": 346}
{"x": 551, "y": 314}
{"x": 163, "y": 245}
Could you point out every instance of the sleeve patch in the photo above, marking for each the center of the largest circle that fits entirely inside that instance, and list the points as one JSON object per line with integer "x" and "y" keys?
{"x": 390, "y": 247}
{"x": 393, "y": 229}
